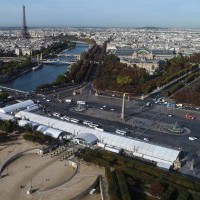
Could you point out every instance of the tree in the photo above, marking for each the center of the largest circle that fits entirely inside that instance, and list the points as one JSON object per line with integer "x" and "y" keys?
{"x": 3, "y": 95}
{"x": 124, "y": 80}
{"x": 8, "y": 126}
{"x": 156, "y": 189}
{"x": 60, "y": 79}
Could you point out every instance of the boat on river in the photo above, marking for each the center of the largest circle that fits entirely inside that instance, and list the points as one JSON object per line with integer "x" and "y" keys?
{"x": 39, "y": 66}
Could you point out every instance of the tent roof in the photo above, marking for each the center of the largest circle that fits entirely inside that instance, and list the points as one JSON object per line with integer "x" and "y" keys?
{"x": 137, "y": 146}
{"x": 14, "y": 107}
{"x": 88, "y": 137}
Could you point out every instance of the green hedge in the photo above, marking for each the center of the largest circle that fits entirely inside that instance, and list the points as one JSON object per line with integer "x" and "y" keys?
{"x": 170, "y": 193}
{"x": 113, "y": 188}
{"x": 123, "y": 186}
{"x": 140, "y": 171}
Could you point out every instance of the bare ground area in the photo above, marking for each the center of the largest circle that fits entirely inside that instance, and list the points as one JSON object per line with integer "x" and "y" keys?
{"x": 49, "y": 177}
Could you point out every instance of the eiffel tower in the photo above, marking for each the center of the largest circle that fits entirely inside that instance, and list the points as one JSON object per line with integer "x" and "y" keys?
{"x": 24, "y": 29}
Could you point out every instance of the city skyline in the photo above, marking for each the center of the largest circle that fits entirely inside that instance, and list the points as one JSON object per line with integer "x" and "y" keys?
{"x": 106, "y": 13}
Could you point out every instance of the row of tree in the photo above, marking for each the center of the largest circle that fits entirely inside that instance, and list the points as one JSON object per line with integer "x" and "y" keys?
{"x": 37, "y": 136}
{"x": 181, "y": 84}
{"x": 189, "y": 95}
{"x": 7, "y": 127}
{"x": 13, "y": 67}
{"x": 127, "y": 177}
{"x": 116, "y": 76}
{"x": 79, "y": 71}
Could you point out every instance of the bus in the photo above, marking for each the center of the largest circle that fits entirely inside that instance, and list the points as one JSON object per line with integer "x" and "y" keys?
{"x": 120, "y": 132}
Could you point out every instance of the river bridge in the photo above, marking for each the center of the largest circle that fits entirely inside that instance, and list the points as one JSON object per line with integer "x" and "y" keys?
{"x": 57, "y": 62}
{"x": 77, "y": 56}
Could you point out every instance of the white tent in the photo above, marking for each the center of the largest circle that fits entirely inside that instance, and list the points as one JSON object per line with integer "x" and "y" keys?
{"x": 165, "y": 156}
{"x": 16, "y": 107}
{"x": 4, "y": 116}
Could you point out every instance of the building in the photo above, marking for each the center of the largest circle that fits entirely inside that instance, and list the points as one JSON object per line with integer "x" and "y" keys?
{"x": 151, "y": 66}
{"x": 26, "y": 51}
{"x": 18, "y": 51}
{"x": 143, "y": 58}
{"x": 164, "y": 157}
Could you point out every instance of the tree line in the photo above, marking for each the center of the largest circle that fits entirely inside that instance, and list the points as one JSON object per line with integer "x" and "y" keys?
{"x": 132, "y": 179}
{"x": 78, "y": 72}
{"x": 116, "y": 76}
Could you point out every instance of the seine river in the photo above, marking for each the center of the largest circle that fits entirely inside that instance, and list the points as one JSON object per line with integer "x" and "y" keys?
{"x": 46, "y": 74}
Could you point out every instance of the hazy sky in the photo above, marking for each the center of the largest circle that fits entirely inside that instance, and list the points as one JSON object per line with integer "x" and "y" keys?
{"x": 126, "y": 13}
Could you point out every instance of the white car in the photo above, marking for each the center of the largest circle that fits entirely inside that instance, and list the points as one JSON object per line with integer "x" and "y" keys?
{"x": 192, "y": 138}
{"x": 170, "y": 115}
{"x": 146, "y": 139}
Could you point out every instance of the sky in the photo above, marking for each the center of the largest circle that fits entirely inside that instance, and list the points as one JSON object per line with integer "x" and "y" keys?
{"x": 98, "y": 13}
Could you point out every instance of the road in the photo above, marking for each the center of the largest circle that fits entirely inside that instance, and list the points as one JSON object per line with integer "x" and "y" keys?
{"x": 105, "y": 110}
{"x": 135, "y": 109}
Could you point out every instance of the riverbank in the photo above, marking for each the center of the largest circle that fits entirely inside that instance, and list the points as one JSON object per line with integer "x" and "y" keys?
{"x": 28, "y": 80}
{"x": 7, "y": 79}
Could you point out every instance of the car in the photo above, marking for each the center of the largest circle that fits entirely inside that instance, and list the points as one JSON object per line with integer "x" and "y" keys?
{"x": 48, "y": 100}
{"x": 192, "y": 138}
{"x": 112, "y": 109}
{"x": 67, "y": 118}
{"x": 189, "y": 116}
{"x": 101, "y": 108}
{"x": 148, "y": 104}
{"x": 146, "y": 139}
{"x": 56, "y": 114}
{"x": 170, "y": 115}
{"x": 63, "y": 117}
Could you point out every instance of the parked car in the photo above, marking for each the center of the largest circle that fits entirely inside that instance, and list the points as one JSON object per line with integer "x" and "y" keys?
{"x": 146, "y": 139}
{"x": 192, "y": 138}
{"x": 189, "y": 116}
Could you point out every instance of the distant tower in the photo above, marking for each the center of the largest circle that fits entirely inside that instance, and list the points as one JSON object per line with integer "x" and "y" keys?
{"x": 24, "y": 30}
